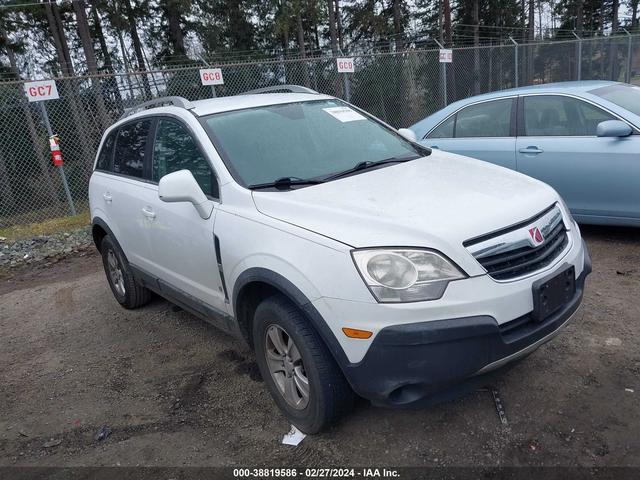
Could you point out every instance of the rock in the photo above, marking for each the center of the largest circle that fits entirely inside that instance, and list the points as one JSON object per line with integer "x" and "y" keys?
{"x": 52, "y": 443}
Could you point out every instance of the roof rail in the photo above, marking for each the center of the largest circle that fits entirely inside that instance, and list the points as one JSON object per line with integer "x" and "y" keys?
{"x": 281, "y": 89}
{"x": 158, "y": 102}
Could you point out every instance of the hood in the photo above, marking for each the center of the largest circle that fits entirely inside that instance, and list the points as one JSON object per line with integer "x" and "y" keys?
{"x": 438, "y": 201}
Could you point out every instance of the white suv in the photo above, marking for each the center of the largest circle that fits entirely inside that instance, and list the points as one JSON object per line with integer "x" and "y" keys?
{"x": 349, "y": 257}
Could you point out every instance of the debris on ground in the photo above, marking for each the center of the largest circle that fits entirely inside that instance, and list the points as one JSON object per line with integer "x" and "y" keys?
{"x": 630, "y": 390}
{"x": 613, "y": 341}
{"x": 52, "y": 443}
{"x": 294, "y": 437}
{"x": 103, "y": 433}
{"x": 625, "y": 272}
{"x": 23, "y": 433}
{"x": 499, "y": 407}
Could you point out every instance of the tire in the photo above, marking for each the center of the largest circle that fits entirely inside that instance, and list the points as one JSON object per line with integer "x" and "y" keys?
{"x": 329, "y": 394}
{"x": 123, "y": 286}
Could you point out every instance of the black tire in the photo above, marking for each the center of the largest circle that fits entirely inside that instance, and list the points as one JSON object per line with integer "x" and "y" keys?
{"x": 330, "y": 396}
{"x": 131, "y": 295}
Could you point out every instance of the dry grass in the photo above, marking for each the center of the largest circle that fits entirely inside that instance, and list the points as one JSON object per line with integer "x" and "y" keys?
{"x": 47, "y": 227}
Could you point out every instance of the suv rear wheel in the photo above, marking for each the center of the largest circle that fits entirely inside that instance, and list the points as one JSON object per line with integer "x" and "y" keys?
{"x": 123, "y": 286}
{"x": 299, "y": 371}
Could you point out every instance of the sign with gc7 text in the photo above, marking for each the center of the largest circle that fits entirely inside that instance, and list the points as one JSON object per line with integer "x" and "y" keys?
{"x": 345, "y": 65}
{"x": 446, "y": 55}
{"x": 41, "y": 90}
{"x": 211, "y": 76}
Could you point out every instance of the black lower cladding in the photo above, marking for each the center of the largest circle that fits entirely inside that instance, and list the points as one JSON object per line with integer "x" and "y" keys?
{"x": 411, "y": 364}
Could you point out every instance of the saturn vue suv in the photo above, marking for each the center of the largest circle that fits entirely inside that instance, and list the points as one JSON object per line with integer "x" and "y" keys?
{"x": 353, "y": 260}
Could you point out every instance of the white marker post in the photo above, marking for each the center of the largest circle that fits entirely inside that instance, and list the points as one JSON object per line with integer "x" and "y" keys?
{"x": 39, "y": 92}
{"x": 445, "y": 56}
{"x": 346, "y": 66}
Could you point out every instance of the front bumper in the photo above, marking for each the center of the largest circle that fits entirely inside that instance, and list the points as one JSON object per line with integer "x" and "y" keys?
{"x": 409, "y": 364}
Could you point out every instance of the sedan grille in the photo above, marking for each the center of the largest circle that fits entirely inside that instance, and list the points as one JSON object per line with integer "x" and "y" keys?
{"x": 524, "y": 248}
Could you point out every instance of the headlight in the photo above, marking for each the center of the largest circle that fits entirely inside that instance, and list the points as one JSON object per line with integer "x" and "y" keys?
{"x": 405, "y": 275}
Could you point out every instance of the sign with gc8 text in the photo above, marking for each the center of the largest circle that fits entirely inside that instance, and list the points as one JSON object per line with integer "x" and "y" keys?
{"x": 41, "y": 90}
{"x": 211, "y": 76}
{"x": 345, "y": 65}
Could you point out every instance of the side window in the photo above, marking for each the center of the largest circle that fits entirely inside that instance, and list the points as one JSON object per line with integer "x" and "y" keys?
{"x": 555, "y": 115}
{"x": 445, "y": 129}
{"x": 131, "y": 144}
{"x": 175, "y": 149}
{"x": 106, "y": 154}
{"x": 487, "y": 119}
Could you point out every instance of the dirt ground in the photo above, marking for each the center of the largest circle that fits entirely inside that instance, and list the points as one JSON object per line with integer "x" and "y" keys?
{"x": 175, "y": 391}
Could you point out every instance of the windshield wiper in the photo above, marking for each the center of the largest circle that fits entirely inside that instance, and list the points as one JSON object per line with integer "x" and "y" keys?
{"x": 284, "y": 183}
{"x": 368, "y": 164}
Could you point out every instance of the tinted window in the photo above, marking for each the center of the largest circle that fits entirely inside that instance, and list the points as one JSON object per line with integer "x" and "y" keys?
{"x": 303, "y": 139}
{"x": 445, "y": 129}
{"x": 130, "y": 149}
{"x": 175, "y": 149}
{"x": 487, "y": 119}
{"x": 625, "y": 96}
{"x": 549, "y": 115}
{"x": 106, "y": 154}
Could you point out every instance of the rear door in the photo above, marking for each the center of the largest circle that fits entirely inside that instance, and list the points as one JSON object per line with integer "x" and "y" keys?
{"x": 124, "y": 190}
{"x": 483, "y": 130}
{"x": 557, "y": 143}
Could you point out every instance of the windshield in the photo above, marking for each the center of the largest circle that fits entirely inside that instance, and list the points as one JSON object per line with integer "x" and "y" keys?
{"x": 624, "y": 96}
{"x": 301, "y": 140}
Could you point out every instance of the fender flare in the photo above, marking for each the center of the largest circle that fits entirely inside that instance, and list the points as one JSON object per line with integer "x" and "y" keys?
{"x": 295, "y": 295}
{"x": 102, "y": 224}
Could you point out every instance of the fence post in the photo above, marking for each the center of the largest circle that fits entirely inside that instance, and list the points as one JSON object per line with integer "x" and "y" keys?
{"x": 515, "y": 46}
{"x": 627, "y": 74}
{"x": 579, "y": 65}
{"x": 45, "y": 118}
{"x": 443, "y": 73}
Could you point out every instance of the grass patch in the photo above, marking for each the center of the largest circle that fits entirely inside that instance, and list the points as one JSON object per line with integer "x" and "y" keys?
{"x": 47, "y": 227}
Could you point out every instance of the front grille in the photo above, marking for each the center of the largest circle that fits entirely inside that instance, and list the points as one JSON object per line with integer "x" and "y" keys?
{"x": 510, "y": 254}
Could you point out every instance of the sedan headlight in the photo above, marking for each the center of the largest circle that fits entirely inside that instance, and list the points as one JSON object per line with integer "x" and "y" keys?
{"x": 405, "y": 274}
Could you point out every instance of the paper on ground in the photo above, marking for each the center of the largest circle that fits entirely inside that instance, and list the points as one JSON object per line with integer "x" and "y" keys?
{"x": 294, "y": 437}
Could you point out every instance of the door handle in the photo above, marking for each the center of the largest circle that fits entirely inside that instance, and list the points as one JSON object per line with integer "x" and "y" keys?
{"x": 531, "y": 149}
{"x": 148, "y": 212}
{"x": 435, "y": 146}
{"x": 107, "y": 197}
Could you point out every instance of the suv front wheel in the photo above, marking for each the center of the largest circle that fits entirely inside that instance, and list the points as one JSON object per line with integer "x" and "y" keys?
{"x": 299, "y": 371}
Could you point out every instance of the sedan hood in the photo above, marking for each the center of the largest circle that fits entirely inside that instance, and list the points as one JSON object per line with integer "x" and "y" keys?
{"x": 438, "y": 201}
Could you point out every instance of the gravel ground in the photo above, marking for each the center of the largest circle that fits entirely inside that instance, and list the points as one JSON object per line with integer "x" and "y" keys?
{"x": 44, "y": 248}
{"x": 174, "y": 391}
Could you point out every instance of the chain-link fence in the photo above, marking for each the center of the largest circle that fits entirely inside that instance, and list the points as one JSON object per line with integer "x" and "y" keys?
{"x": 399, "y": 88}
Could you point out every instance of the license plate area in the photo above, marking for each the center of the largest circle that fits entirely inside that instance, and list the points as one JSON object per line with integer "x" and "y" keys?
{"x": 552, "y": 293}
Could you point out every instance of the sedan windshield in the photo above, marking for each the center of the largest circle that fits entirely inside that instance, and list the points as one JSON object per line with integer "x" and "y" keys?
{"x": 303, "y": 140}
{"x": 625, "y": 96}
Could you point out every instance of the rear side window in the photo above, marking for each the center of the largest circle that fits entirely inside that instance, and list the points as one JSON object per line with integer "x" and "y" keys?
{"x": 131, "y": 144}
{"x": 445, "y": 129}
{"x": 175, "y": 149}
{"x": 488, "y": 119}
{"x": 106, "y": 154}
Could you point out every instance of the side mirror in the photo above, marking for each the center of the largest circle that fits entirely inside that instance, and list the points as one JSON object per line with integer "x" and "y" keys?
{"x": 408, "y": 134}
{"x": 180, "y": 186}
{"x": 613, "y": 128}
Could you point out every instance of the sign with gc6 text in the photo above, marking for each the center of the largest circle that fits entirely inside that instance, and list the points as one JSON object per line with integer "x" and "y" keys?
{"x": 41, "y": 90}
{"x": 446, "y": 55}
{"x": 345, "y": 65}
{"x": 211, "y": 76}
